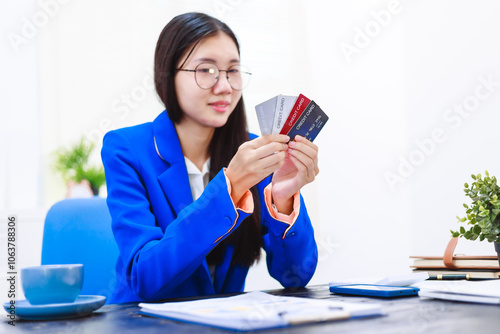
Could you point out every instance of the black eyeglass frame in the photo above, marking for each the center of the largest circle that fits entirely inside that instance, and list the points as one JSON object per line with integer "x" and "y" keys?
{"x": 217, "y": 77}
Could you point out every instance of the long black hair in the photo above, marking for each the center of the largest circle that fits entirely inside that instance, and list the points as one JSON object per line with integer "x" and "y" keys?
{"x": 180, "y": 36}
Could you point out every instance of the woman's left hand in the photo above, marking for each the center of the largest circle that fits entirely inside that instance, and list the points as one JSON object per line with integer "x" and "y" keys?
{"x": 299, "y": 169}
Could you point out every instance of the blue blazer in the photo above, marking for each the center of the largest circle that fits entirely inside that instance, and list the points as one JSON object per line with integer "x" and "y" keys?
{"x": 164, "y": 236}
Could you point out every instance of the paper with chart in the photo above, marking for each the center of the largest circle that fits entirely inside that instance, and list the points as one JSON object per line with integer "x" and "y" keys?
{"x": 259, "y": 310}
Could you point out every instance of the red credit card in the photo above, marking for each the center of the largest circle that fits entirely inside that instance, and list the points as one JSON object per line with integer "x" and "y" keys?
{"x": 297, "y": 110}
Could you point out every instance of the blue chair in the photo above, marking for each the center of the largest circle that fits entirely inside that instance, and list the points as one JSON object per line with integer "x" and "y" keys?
{"x": 79, "y": 231}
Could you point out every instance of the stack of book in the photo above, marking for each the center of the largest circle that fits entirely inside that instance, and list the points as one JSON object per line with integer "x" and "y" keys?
{"x": 468, "y": 267}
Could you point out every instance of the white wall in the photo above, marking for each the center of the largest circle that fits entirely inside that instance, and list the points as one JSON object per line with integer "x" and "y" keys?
{"x": 20, "y": 116}
{"x": 21, "y": 161}
{"x": 386, "y": 94}
{"x": 450, "y": 50}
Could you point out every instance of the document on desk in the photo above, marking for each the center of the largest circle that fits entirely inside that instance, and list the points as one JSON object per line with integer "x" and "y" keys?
{"x": 484, "y": 292}
{"x": 259, "y": 310}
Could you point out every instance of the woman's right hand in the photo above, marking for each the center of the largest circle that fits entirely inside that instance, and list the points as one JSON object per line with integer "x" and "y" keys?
{"x": 255, "y": 160}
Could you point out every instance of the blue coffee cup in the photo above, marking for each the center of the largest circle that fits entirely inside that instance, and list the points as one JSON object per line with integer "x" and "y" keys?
{"x": 52, "y": 284}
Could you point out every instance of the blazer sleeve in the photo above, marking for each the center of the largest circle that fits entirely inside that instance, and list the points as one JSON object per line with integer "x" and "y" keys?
{"x": 292, "y": 254}
{"x": 158, "y": 259}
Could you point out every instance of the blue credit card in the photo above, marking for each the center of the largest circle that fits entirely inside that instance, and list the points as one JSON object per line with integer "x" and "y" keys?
{"x": 310, "y": 122}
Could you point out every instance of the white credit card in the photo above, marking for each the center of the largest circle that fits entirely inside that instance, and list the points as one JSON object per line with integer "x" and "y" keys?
{"x": 284, "y": 105}
{"x": 265, "y": 115}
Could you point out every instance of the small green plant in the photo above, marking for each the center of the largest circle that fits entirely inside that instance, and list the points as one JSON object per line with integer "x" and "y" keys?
{"x": 483, "y": 213}
{"x": 73, "y": 164}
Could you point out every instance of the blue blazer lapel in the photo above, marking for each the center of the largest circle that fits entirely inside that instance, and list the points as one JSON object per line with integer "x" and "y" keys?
{"x": 174, "y": 181}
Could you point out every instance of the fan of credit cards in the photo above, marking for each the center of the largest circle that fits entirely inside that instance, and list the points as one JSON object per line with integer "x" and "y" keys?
{"x": 291, "y": 115}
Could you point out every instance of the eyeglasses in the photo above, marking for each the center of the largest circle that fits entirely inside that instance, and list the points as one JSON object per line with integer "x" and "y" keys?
{"x": 206, "y": 75}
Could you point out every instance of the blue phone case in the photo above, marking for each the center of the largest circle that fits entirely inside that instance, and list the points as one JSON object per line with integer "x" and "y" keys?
{"x": 371, "y": 290}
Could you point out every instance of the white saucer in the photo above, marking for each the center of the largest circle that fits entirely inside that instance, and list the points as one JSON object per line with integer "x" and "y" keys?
{"x": 82, "y": 306}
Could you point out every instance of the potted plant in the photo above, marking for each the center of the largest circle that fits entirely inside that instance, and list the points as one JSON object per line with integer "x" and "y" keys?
{"x": 483, "y": 214}
{"x": 73, "y": 164}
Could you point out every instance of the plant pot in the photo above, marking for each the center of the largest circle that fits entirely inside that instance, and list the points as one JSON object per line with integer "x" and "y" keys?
{"x": 79, "y": 190}
{"x": 95, "y": 190}
{"x": 497, "y": 249}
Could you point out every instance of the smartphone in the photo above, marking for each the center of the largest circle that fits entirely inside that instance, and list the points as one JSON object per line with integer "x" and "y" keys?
{"x": 370, "y": 290}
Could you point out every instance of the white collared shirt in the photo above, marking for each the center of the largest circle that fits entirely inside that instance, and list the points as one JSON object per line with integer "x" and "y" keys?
{"x": 198, "y": 180}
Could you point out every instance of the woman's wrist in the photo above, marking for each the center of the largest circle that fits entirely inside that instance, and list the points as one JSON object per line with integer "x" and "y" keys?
{"x": 284, "y": 206}
{"x": 236, "y": 193}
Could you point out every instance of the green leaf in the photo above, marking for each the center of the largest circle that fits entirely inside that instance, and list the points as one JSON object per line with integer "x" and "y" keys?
{"x": 476, "y": 229}
{"x": 73, "y": 164}
{"x": 483, "y": 213}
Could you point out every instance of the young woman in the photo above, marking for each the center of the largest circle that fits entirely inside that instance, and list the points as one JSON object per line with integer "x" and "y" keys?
{"x": 193, "y": 197}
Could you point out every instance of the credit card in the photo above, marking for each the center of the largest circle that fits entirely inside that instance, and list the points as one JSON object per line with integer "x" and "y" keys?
{"x": 297, "y": 110}
{"x": 290, "y": 115}
{"x": 265, "y": 115}
{"x": 310, "y": 123}
{"x": 284, "y": 105}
